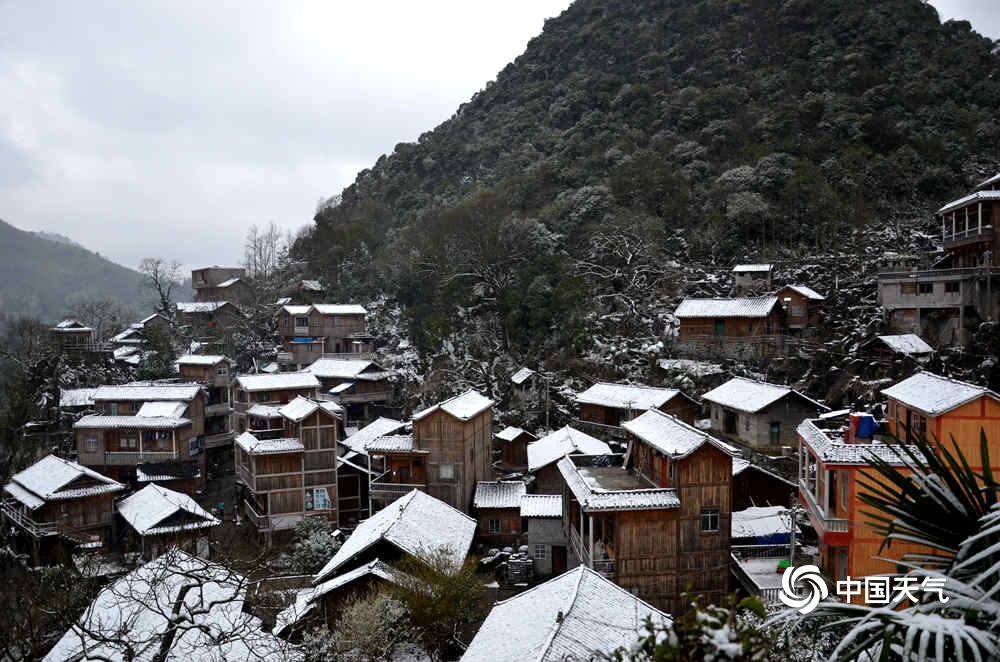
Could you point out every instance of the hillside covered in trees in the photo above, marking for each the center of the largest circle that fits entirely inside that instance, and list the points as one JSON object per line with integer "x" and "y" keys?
{"x": 637, "y": 150}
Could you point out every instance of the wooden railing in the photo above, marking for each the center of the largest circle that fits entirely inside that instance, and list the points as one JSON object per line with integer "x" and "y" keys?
{"x": 260, "y": 522}
{"x": 959, "y": 235}
{"x": 940, "y": 273}
{"x": 831, "y": 524}
{"x": 218, "y": 440}
{"x": 134, "y": 457}
{"x": 374, "y": 396}
{"x": 750, "y": 585}
{"x": 384, "y": 490}
{"x": 35, "y": 529}
{"x": 218, "y": 409}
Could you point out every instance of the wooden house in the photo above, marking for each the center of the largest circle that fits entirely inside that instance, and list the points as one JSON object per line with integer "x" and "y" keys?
{"x": 214, "y": 373}
{"x": 544, "y": 453}
{"x": 309, "y": 331}
{"x": 220, "y": 284}
{"x": 356, "y": 470}
{"x": 542, "y": 515}
{"x": 968, "y": 225}
{"x": 755, "y": 486}
{"x": 208, "y": 319}
{"x": 135, "y": 334}
{"x": 415, "y": 525}
{"x": 741, "y": 319}
{"x": 513, "y": 443}
{"x": 891, "y": 347}
{"x": 55, "y": 502}
{"x": 497, "y": 506}
{"x": 157, "y": 519}
{"x": 752, "y": 277}
{"x": 398, "y": 466}
{"x": 70, "y": 335}
{"x": 802, "y": 306}
{"x": 611, "y": 405}
{"x": 359, "y": 385}
{"x": 759, "y": 415}
{"x": 661, "y": 523}
{"x": 255, "y": 391}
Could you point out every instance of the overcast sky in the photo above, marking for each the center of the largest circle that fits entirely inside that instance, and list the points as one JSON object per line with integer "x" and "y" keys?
{"x": 168, "y": 128}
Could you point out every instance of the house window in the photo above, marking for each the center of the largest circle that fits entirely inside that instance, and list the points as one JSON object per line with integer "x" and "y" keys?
{"x": 540, "y": 552}
{"x": 671, "y": 472}
{"x": 746, "y": 423}
{"x": 908, "y": 288}
{"x": 446, "y": 471}
{"x": 222, "y": 370}
{"x": 925, "y": 288}
{"x": 301, "y": 321}
{"x": 709, "y": 520}
{"x": 952, "y": 287}
{"x": 493, "y": 526}
{"x": 264, "y": 396}
{"x": 844, "y": 477}
{"x": 918, "y": 425}
{"x": 128, "y": 440}
{"x": 134, "y": 406}
{"x": 90, "y": 444}
{"x": 114, "y": 408}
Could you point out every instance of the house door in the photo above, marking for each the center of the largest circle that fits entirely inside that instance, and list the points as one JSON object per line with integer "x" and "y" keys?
{"x": 404, "y": 475}
{"x": 729, "y": 422}
{"x": 775, "y": 433}
{"x": 558, "y": 559}
{"x": 720, "y": 327}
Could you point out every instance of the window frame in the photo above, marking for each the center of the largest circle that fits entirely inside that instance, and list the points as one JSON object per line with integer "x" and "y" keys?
{"x": 705, "y": 516}
{"x": 492, "y": 526}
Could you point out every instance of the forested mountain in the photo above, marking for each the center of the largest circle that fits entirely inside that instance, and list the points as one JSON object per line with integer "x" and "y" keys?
{"x": 638, "y": 149}
{"x": 44, "y": 278}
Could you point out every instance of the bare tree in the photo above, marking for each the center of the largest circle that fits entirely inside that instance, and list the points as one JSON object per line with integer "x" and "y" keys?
{"x": 105, "y": 316}
{"x": 265, "y": 251}
{"x": 161, "y": 278}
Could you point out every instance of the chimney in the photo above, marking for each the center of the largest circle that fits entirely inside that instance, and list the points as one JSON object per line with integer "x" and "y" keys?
{"x": 559, "y": 617}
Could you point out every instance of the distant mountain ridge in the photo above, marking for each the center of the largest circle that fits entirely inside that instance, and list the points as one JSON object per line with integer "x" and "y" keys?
{"x": 56, "y": 237}
{"x": 44, "y": 275}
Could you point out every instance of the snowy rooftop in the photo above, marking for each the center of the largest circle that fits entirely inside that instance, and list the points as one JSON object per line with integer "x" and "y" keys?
{"x": 416, "y": 523}
{"x": 339, "y": 309}
{"x": 298, "y": 409}
{"x": 805, "y": 291}
{"x": 229, "y": 283}
{"x": 564, "y": 441}
{"x": 297, "y": 310}
{"x": 740, "y": 268}
{"x": 71, "y": 325}
{"x": 162, "y": 409}
{"x": 355, "y": 369}
{"x": 200, "y": 306}
{"x": 935, "y": 395}
{"x": 625, "y": 396}
{"x": 499, "y": 494}
{"x": 133, "y": 334}
{"x": 972, "y": 197}
{"x": 760, "y": 522}
{"x": 740, "y": 465}
{"x": 378, "y": 428}
{"x": 76, "y": 397}
{"x": 311, "y": 285}
{"x": 278, "y": 382}
{"x": 510, "y": 433}
{"x": 737, "y": 307}
{"x": 264, "y": 411}
{"x": 148, "y": 392}
{"x": 750, "y": 395}
{"x": 614, "y": 488}
{"x": 542, "y": 505}
{"x": 521, "y": 375}
{"x": 255, "y": 446}
{"x": 463, "y": 407}
{"x": 990, "y": 181}
{"x": 94, "y": 422}
{"x": 147, "y": 509}
{"x": 53, "y": 478}
{"x": 129, "y": 617}
{"x": 201, "y": 359}
{"x": 598, "y": 617}
{"x": 391, "y": 443}
{"x": 834, "y": 450}
{"x": 672, "y": 436}
{"x": 907, "y": 343}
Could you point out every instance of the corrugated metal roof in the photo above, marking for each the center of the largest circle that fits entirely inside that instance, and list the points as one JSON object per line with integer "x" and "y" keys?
{"x": 750, "y": 307}
{"x": 542, "y": 505}
{"x": 255, "y": 446}
{"x": 499, "y": 494}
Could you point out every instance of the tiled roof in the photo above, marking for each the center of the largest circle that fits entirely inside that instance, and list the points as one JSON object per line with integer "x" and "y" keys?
{"x": 593, "y": 498}
{"x": 201, "y": 359}
{"x": 378, "y": 428}
{"x": 278, "y": 382}
{"x": 399, "y": 443}
{"x": 148, "y": 507}
{"x": 752, "y": 267}
{"x": 837, "y": 451}
{"x": 750, "y": 307}
{"x": 672, "y": 436}
{"x": 542, "y": 505}
{"x": 934, "y": 395}
{"x": 463, "y": 407}
{"x": 298, "y": 409}
{"x": 264, "y": 411}
{"x": 51, "y": 479}
{"x": 76, "y": 397}
{"x": 162, "y": 409}
{"x": 297, "y": 310}
{"x": 510, "y": 433}
{"x": 200, "y": 306}
{"x": 579, "y": 615}
{"x": 339, "y": 309}
{"x": 255, "y": 446}
{"x": 147, "y": 392}
{"x": 751, "y": 396}
{"x": 355, "y": 369}
{"x": 907, "y": 343}
{"x": 416, "y": 523}
{"x": 805, "y": 291}
{"x": 95, "y": 422}
{"x": 622, "y": 396}
{"x": 499, "y": 494}
{"x": 565, "y": 441}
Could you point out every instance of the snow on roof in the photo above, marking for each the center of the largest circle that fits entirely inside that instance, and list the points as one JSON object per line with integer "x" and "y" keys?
{"x": 71, "y": 325}
{"x": 562, "y": 442}
{"x": 147, "y": 472}
{"x": 229, "y": 283}
{"x": 834, "y": 450}
{"x": 200, "y": 306}
{"x": 147, "y": 392}
{"x": 510, "y": 433}
{"x": 907, "y": 343}
{"x": 989, "y": 181}
{"x": 255, "y": 446}
{"x": 151, "y": 505}
{"x": 391, "y": 443}
{"x": 935, "y": 395}
{"x": 127, "y": 334}
{"x": 297, "y": 310}
{"x": 623, "y": 396}
{"x": 739, "y": 268}
{"x": 339, "y": 309}
{"x": 76, "y": 397}
{"x": 751, "y": 396}
{"x": 594, "y": 498}
{"x": 463, "y": 407}
{"x": 499, "y": 494}
{"x": 146, "y": 320}
{"x": 542, "y": 505}
{"x": 278, "y": 382}
{"x": 201, "y": 359}
{"x": 132, "y": 617}
{"x": 752, "y": 307}
{"x": 378, "y": 428}
{"x": 416, "y": 523}
{"x": 340, "y": 388}
{"x": 761, "y": 521}
{"x": 972, "y": 197}
{"x": 311, "y": 285}
{"x": 671, "y": 435}
{"x": 597, "y": 618}
{"x": 332, "y": 368}
{"x": 805, "y": 291}
{"x": 522, "y": 375}
{"x": 96, "y": 422}
{"x": 264, "y": 411}
{"x": 271, "y": 368}
{"x": 52, "y": 479}
{"x": 739, "y": 465}
{"x": 161, "y": 409}
{"x": 298, "y": 409}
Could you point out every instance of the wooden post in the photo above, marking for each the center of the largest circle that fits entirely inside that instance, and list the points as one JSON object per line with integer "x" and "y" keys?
{"x": 952, "y": 225}
{"x": 590, "y": 546}
{"x": 980, "y": 218}
{"x": 966, "y": 220}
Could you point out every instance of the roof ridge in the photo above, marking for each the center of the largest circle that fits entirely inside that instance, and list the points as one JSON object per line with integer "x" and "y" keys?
{"x": 559, "y": 621}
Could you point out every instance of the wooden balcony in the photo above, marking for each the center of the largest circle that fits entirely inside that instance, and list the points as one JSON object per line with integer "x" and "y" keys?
{"x": 383, "y": 490}
{"x": 259, "y": 522}
{"x": 218, "y": 409}
{"x": 128, "y": 458}
{"x": 35, "y": 529}
{"x": 963, "y": 236}
{"x": 351, "y": 398}
{"x": 604, "y": 567}
{"x": 818, "y": 515}
{"x": 219, "y": 440}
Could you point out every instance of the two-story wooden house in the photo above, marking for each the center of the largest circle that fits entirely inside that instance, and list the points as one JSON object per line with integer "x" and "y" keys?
{"x": 157, "y": 519}
{"x": 514, "y": 447}
{"x": 497, "y": 504}
{"x": 254, "y": 392}
{"x": 69, "y": 335}
{"x": 604, "y": 406}
{"x": 220, "y": 284}
{"x": 55, "y": 503}
{"x": 802, "y": 306}
{"x": 214, "y": 373}
{"x": 310, "y": 331}
{"x": 359, "y": 385}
